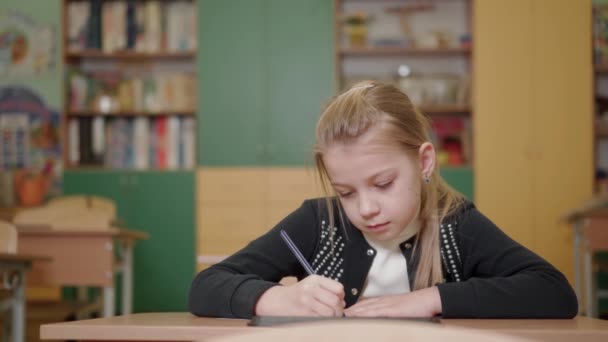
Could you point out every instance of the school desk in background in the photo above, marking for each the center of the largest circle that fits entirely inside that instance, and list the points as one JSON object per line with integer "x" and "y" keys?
{"x": 13, "y": 267}
{"x": 590, "y": 224}
{"x": 80, "y": 235}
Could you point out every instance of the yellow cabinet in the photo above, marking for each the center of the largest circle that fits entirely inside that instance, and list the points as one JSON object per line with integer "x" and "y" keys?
{"x": 236, "y": 205}
{"x": 533, "y": 118}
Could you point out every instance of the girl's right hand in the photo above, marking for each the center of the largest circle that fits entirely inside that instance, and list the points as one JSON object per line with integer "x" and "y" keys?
{"x": 313, "y": 296}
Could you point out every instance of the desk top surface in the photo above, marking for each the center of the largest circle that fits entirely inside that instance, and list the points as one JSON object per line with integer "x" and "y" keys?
{"x": 186, "y": 327}
{"x": 594, "y": 207}
{"x": 18, "y": 257}
{"x": 114, "y": 232}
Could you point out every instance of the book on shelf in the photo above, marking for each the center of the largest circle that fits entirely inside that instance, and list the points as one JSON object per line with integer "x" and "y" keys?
{"x": 126, "y": 25}
{"x": 116, "y": 92}
{"x": 140, "y": 143}
{"x": 452, "y": 138}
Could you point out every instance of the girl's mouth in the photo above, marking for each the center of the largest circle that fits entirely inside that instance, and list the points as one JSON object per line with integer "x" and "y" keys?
{"x": 377, "y": 226}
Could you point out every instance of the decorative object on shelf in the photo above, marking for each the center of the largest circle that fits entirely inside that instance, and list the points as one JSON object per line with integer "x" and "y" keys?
{"x": 356, "y": 28}
{"x": 452, "y": 138}
{"x": 404, "y": 12}
{"x": 435, "y": 89}
{"x": 113, "y": 91}
{"x": 32, "y": 187}
{"x": 30, "y": 150}
{"x": 26, "y": 46}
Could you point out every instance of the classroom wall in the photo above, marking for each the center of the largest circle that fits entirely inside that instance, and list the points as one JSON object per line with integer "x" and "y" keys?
{"x": 48, "y": 85}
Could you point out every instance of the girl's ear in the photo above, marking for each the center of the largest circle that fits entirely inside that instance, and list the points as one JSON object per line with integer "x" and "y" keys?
{"x": 426, "y": 156}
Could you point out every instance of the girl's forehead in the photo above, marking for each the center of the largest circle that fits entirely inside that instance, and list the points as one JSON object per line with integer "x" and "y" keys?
{"x": 373, "y": 141}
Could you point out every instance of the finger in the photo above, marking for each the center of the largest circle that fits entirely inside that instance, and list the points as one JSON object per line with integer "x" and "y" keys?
{"x": 332, "y": 286}
{"x": 331, "y": 300}
{"x": 367, "y": 308}
{"x": 319, "y": 308}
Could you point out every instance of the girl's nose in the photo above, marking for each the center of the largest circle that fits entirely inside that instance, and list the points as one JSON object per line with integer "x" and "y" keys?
{"x": 367, "y": 206}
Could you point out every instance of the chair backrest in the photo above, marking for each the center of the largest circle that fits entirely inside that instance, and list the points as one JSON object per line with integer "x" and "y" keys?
{"x": 84, "y": 202}
{"x": 70, "y": 212}
{"x": 8, "y": 238}
{"x": 367, "y": 330}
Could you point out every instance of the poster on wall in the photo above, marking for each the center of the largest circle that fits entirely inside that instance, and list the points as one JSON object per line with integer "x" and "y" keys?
{"x": 27, "y": 48}
{"x": 30, "y": 148}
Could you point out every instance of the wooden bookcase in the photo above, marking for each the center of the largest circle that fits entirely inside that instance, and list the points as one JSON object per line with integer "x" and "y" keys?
{"x": 156, "y": 199}
{"x": 130, "y": 84}
{"x": 600, "y": 88}
{"x": 428, "y": 54}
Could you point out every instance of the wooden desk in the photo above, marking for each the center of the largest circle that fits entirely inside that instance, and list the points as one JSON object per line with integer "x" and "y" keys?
{"x": 13, "y": 268}
{"x": 84, "y": 258}
{"x": 590, "y": 225}
{"x": 185, "y": 327}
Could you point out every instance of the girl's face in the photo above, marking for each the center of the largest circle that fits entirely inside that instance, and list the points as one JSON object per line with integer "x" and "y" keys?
{"x": 378, "y": 184}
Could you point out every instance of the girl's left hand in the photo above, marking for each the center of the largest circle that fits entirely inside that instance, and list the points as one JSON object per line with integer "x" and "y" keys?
{"x": 421, "y": 303}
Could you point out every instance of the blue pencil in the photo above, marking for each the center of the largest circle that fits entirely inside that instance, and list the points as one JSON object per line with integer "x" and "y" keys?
{"x": 296, "y": 252}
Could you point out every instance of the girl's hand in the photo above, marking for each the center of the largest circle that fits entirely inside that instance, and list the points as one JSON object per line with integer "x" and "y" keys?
{"x": 421, "y": 303}
{"x": 313, "y": 296}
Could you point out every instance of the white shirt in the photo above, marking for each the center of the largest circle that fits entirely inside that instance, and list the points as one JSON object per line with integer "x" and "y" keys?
{"x": 388, "y": 274}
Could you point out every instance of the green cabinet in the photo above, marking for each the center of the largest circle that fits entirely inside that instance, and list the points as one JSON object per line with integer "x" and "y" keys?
{"x": 267, "y": 67}
{"x": 460, "y": 178}
{"x": 161, "y": 204}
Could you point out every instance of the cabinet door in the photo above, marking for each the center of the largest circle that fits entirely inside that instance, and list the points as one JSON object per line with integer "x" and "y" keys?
{"x": 563, "y": 113}
{"x": 301, "y": 75}
{"x": 162, "y": 204}
{"x": 232, "y": 93}
{"x": 504, "y": 127}
{"x": 460, "y": 178}
{"x": 112, "y": 185}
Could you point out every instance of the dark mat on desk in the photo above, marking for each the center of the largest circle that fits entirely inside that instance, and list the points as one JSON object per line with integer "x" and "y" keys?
{"x": 261, "y": 321}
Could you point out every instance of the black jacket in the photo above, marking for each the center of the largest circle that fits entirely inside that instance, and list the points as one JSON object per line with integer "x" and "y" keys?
{"x": 487, "y": 274}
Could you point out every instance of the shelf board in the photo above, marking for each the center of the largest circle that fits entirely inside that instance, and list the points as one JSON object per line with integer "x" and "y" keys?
{"x": 446, "y": 109}
{"x": 400, "y": 51}
{"x": 130, "y": 113}
{"x": 129, "y": 55}
{"x": 601, "y": 68}
{"x": 99, "y": 168}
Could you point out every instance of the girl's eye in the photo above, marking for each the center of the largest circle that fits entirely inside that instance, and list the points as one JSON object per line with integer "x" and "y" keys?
{"x": 384, "y": 185}
{"x": 345, "y": 194}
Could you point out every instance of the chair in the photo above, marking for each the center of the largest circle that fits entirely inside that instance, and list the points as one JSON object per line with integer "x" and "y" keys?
{"x": 70, "y": 213}
{"x": 367, "y": 330}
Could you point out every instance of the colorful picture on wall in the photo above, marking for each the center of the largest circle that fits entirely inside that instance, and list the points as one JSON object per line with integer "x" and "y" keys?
{"x": 26, "y": 47}
{"x": 30, "y": 148}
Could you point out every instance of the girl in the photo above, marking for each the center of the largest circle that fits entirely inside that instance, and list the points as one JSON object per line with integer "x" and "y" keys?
{"x": 394, "y": 240}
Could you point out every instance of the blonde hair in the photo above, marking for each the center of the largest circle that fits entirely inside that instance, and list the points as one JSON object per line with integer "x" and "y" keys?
{"x": 372, "y": 104}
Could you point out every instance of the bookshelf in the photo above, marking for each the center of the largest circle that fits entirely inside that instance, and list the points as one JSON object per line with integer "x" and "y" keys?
{"x": 600, "y": 88}
{"x": 130, "y": 84}
{"x": 425, "y": 49}
{"x": 130, "y": 128}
